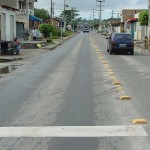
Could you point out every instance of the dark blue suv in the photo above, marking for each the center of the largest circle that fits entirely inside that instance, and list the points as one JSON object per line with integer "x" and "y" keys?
{"x": 120, "y": 42}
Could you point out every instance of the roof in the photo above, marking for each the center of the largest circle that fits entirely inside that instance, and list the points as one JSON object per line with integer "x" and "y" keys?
{"x": 8, "y": 7}
{"x": 33, "y": 18}
{"x": 132, "y": 19}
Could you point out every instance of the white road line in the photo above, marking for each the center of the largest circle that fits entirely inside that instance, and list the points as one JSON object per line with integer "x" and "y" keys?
{"x": 73, "y": 131}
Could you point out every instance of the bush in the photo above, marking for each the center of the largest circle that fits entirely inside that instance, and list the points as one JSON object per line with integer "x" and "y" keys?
{"x": 55, "y": 32}
{"x": 46, "y": 29}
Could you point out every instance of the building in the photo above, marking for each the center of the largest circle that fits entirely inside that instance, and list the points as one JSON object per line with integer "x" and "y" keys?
{"x": 14, "y": 18}
{"x": 8, "y": 11}
{"x": 25, "y": 17}
{"x": 129, "y": 20}
{"x": 127, "y": 14}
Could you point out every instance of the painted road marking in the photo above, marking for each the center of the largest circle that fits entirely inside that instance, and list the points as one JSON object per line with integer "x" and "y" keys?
{"x": 125, "y": 97}
{"x": 140, "y": 121}
{"x": 110, "y": 73}
{"x": 116, "y": 83}
{"x": 73, "y": 131}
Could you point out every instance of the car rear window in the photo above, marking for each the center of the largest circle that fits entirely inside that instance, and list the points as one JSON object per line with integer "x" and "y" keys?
{"x": 122, "y": 37}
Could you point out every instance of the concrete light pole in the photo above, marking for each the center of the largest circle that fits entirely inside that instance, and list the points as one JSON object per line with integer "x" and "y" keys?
{"x": 100, "y": 13}
{"x": 149, "y": 21}
{"x": 51, "y": 9}
{"x": 64, "y": 15}
{"x": 27, "y": 7}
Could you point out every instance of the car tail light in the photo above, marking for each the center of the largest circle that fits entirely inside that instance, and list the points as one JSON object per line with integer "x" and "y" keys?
{"x": 113, "y": 44}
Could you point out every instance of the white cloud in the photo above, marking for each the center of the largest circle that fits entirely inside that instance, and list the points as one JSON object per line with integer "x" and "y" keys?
{"x": 85, "y": 6}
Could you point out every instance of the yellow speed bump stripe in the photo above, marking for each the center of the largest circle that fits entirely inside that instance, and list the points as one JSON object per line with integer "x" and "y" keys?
{"x": 116, "y": 83}
{"x": 109, "y": 70}
{"x": 120, "y": 89}
{"x": 139, "y": 121}
{"x": 104, "y": 62}
{"x": 111, "y": 73}
{"x": 125, "y": 97}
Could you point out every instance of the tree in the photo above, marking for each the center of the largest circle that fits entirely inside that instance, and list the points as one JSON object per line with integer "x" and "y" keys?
{"x": 41, "y": 13}
{"x": 46, "y": 29}
{"x": 143, "y": 18}
{"x": 70, "y": 15}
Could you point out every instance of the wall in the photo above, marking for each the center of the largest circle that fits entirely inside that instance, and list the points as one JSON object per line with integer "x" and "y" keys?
{"x": 10, "y": 3}
{"x": 129, "y": 13}
{"x": 8, "y": 28}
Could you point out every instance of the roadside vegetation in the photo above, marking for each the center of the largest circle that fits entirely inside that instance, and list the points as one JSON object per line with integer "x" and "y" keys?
{"x": 143, "y": 18}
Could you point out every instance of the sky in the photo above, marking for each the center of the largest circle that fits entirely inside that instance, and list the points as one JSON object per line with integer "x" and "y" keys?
{"x": 86, "y": 7}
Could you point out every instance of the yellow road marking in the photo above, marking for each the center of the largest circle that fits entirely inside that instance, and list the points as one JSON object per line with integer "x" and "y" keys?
{"x": 140, "y": 121}
{"x": 125, "y": 97}
{"x": 116, "y": 83}
{"x": 111, "y": 74}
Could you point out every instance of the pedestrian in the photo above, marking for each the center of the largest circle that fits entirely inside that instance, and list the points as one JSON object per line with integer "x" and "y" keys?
{"x": 16, "y": 45}
{"x": 27, "y": 34}
{"x": 34, "y": 34}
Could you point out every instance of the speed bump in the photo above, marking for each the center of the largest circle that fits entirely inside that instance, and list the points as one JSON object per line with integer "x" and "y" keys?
{"x": 120, "y": 89}
{"x": 111, "y": 73}
{"x": 109, "y": 70}
{"x": 105, "y": 63}
{"x": 116, "y": 83}
{"x": 125, "y": 97}
{"x": 140, "y": 121}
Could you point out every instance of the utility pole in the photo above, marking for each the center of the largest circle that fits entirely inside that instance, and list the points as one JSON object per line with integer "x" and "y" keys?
{"x": 100, "y": 12}
{"x": 93, "y": 12}
{"x": 53, "y": 4}
{"x": 27, "y": 6}
{"x": 51, "y": 9}
{"x": 112, "y": 14}
{"x": 63, "y": 20}
{"x": 64, "y": 15}
{"x": 90, "y": 22}
{"x": 149, "y": 22}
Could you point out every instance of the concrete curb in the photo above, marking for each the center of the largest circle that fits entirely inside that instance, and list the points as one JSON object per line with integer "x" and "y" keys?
{"x": 9, "y": 59}
{"x": 51, "y": 48}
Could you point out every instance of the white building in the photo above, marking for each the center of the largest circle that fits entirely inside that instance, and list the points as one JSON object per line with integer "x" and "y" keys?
{"x": 7, "y": 22}
{"x": 26, "y": 9}
{"x": 14, "y": 17}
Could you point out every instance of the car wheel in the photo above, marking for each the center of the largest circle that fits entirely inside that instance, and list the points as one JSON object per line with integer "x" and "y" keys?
{"x": 132, "y": 52}
{"x": 110, "y": 52}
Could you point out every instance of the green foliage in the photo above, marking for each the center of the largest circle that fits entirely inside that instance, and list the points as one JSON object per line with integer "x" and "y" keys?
{"x": 41, "y": 13}
{"x": 143, "y": 18}
{"x": 55, "y": 32}
{"x": 68, "y": 33}
{"x": 46, "y": 29}
{"x": 70, "y": 15}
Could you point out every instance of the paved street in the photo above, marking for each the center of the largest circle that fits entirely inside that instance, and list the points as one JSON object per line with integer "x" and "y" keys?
{"x": 69, "y": 95}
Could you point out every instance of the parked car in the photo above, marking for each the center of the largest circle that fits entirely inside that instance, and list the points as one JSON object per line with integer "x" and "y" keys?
{"x": 120, "y": 42}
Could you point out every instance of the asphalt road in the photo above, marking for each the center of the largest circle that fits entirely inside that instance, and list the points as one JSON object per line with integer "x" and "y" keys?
{"x": 72, "y": 86}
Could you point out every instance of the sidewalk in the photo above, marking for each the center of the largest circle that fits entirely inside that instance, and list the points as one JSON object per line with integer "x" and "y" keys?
{"x": 140, "y": 47}
{"x": 27, "y": 54}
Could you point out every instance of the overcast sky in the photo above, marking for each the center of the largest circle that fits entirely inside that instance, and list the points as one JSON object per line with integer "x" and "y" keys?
{"x": 85, "y": 6}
